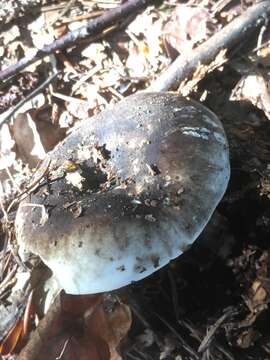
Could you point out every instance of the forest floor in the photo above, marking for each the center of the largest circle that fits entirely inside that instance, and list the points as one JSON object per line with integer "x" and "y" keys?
{"x": 213, "y": 301}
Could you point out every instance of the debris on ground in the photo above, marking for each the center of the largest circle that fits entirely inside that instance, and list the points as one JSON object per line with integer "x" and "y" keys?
{"x": 213, "y": 302}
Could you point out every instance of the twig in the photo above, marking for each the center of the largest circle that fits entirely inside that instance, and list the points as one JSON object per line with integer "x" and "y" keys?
{"x": 220, "y": 5}
{"x": 92, "y": 27}
{"x": 5, "y": 222}
{"x": 8, "y": 280}
{"x": 213, "y": 329}
{"x": 11, "y": 112}
{"x": 197, "y": 334}
{"x": 4, "y": 251}
{"x": 14, "y": 183}
{"x": 62, "y": 13}
{"x": 69, "y": 99}
{"x": 34, "y": 182}
{"x": 232, "y": 34}
{"x": 178, "y": 336}
{"x": 63, "y": 349}
{"x": 5, "y": 214}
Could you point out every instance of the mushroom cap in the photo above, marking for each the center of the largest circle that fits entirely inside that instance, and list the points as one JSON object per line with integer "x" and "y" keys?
{"x": 126, "y": 192}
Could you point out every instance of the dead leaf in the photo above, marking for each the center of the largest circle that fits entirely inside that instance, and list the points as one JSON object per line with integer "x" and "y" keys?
{"x": 260, "y": 293}
{"x": 247, "y": 338}
{"x": 112, "y": 326}
{"x": 79, "y": 327}
{"x": 79, "y": 110}
{"x": 254, "y": 88}
{"x": 9, "y": 343}
{"x": 10, "y": 35}
{"x": 96, "y": 52}
{"x": 264, "y": 55}
{"x": 187, "y": 27}
{"x": 35, "y": 135}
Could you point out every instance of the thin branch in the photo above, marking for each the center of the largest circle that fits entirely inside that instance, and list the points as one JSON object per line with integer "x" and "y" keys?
{"x": 183, "y": 343}
{"x": 4, "y": 118}
{"x": 232, "y": 34}
{"x": 213, "y": 329}
{"x": 93, "y": 27}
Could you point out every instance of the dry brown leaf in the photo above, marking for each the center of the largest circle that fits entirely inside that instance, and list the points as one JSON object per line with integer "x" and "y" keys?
{"x": 9, "y": 343}
{"x": 254, "y": 88}
{"x": 35, "y": 135}
{"x": 247, "y": 338}
{"x": 119, "y": 322}
{"x": 187, "y": 27}
{"x": 264, "y": 54}
{"x": 79, "y": 327}
{"x": 260, "y": 294}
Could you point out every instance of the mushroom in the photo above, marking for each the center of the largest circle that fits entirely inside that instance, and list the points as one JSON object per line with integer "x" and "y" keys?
{"x": 126, "y": 192}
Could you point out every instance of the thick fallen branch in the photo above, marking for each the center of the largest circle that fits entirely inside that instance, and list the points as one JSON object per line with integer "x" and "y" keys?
{"x": 234, "y": 33}
{"x": 93, "y": 27}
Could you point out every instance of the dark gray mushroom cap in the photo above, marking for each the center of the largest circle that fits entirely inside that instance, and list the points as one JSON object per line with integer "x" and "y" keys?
{"x": 126, "y": 192}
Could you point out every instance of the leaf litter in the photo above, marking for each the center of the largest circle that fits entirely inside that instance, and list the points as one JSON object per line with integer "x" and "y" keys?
{"x": 206, "y": 305}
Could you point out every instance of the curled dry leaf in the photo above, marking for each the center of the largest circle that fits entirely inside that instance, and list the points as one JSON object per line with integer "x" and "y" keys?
{"x": 40, "y": 133}
{"x": 32, "y": 150}
{"x": 17, "y": 324}
{"x": 187, "y": 27}
{"x": 9, "y": 343}
{"x": 111, "y": 325}
{"x": 253, "y": 87}
{"x": 247, "y": 338}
